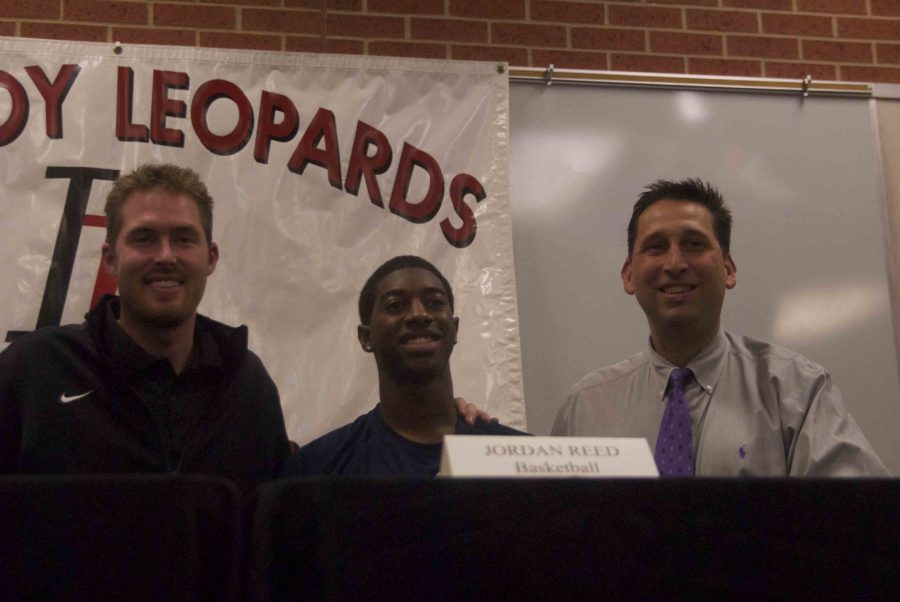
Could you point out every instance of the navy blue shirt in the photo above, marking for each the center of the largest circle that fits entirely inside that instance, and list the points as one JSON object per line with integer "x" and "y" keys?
{"x": 368, "y": 447}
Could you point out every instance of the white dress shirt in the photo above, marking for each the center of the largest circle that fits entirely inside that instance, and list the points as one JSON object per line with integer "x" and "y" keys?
{"x": 756, "y": 410}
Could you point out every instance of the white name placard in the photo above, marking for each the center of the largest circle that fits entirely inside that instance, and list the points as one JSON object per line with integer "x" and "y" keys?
{"x": 586, "y": 457}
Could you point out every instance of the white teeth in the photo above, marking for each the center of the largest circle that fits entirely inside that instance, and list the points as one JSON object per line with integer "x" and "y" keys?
{"x": 678, "y": 288}
{"x": 165, "y": 283}
{"x": 420, "y": 339}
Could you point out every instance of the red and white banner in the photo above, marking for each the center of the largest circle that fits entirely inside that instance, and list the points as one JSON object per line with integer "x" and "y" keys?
{"x": 322, "y": 167}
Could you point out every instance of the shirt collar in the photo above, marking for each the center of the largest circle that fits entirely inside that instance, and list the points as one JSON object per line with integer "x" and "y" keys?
{"x": 124, "y": 353}
{"x": 706, "y": 365}
{"x": 130, "y": 358}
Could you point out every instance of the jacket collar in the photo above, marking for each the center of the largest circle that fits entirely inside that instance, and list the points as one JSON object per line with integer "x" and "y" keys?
{"x": 220, "y": 346}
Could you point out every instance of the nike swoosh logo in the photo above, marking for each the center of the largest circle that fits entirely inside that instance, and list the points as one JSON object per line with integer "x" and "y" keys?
{"x": 67, "y": 398}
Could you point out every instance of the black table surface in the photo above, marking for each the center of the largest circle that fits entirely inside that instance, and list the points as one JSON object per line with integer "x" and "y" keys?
{"x": 574, "y": 538}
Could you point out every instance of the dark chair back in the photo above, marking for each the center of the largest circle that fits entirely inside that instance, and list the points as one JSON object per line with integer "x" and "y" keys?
{"x": 128, "y": 537}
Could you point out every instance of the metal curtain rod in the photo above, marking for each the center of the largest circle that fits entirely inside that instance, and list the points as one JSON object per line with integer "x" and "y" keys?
{"x": 805, "y": 87}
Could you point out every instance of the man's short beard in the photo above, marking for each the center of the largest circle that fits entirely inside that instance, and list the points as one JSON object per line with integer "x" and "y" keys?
{"x": 166, "y": 320}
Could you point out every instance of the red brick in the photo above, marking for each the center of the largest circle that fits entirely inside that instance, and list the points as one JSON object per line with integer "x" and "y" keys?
{"x": 316, "y": 44}
{"x": 408, "y": 49}
{"x": 801, "y": 70}
{"x": 883, "y": 75}
{"x": 689, "y": 2}
{"x": 241, "y": 41}
{"x": 102, "y": 11}
{"x": 762, "y": 47}
{"x": 194, "y": 16}
{"x": 647, "y": 63}
{"x": 308, "y": 44}
{"x": 722, "y": 20}
{"x": 685, "y": 43}
{"x": 30, "y": 9}
{"x": 878, "y": 29}
{"x": 885, "y": 8}
{"x": 760, "y": 4}
{"x": 408, "y": 7}
{"x": 528, "y": 35}
{"x": 741, "y": 68}
{"x": 153, "y": 35}
{"x": 608, "y": 39}
{"x": 449, "y": 30}
{"x": 832, "y": 6}
{"x": 797, "y": 25}
{"x": 837, "y": 52}
{"x": 888, "y": 53}
{"x": 514, "y": 56}
{"x": 286, "y": 21}
{"x": 7, "y": 28}
{"x": 364, "y": 26}
{"x": 345, "y": 46}
{"x": 566, "y": 59}
{"x": 486, "y": 9}
{"x": 567, "y": 12}
{"x": 254, "y": 2}
{"x": 645, "y": 16}
{"x": 333, "y": 5}
{"x": 308, "y": 4}
{"x": 64, "y": 31}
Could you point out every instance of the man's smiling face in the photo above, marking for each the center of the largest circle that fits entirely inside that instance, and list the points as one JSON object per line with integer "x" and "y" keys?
{"x": 161, "y": 259}
{"x": 412, "y": 330}
{"x": 677, "y": 269}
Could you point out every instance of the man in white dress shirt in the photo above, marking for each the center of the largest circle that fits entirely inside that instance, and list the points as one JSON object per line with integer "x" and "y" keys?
{"x": 755, "y": 409}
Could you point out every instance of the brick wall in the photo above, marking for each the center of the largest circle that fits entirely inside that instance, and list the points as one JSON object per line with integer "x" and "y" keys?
{"x": 847, "y": 40}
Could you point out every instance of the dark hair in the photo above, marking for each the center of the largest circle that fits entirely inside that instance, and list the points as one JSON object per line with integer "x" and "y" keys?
{"x": 157, "y": 176}
{"x": 693, "y": 190}
{"x": 367, "y": 296}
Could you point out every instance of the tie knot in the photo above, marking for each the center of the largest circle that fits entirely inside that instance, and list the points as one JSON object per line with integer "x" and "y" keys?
{"x": 680, "y": 377}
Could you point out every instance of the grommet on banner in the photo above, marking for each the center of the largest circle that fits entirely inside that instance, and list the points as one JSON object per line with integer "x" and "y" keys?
{"x": 548, "y": 75}
{"x": 117, "y": 49}
{"x": 501, "y": 69}
{"x": 807, "y": 81}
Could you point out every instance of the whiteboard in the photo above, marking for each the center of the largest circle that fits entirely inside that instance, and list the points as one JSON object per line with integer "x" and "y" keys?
{"x": 801, "y": 177}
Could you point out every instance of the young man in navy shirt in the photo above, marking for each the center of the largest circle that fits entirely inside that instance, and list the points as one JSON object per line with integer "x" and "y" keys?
{"x": 407, "y": 322}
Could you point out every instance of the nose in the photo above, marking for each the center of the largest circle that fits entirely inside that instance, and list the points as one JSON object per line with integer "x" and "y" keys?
{"x": 417, "y": 312}
{"x": 164, "y": 254}
{"x": 674, "y": 260}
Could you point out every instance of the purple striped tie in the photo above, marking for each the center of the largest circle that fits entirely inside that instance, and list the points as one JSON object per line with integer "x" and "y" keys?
{"x": 674, "y": 450}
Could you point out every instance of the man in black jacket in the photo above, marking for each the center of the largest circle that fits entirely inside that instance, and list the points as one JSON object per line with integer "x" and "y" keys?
{"x": 145, "y": 384}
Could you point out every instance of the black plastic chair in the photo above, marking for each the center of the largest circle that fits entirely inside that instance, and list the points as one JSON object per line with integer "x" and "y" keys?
{"x": 129, "y": 537}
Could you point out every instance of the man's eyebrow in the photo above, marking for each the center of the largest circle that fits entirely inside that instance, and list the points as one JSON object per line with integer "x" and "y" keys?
{"x": 400, "y": 292}
{"x": 140, "y": 230}
{"x": 696, "y": 232}
{"x": 655, "y": 235}
{"x": 683, "y": 232}
{"x": 435, "y": 289}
